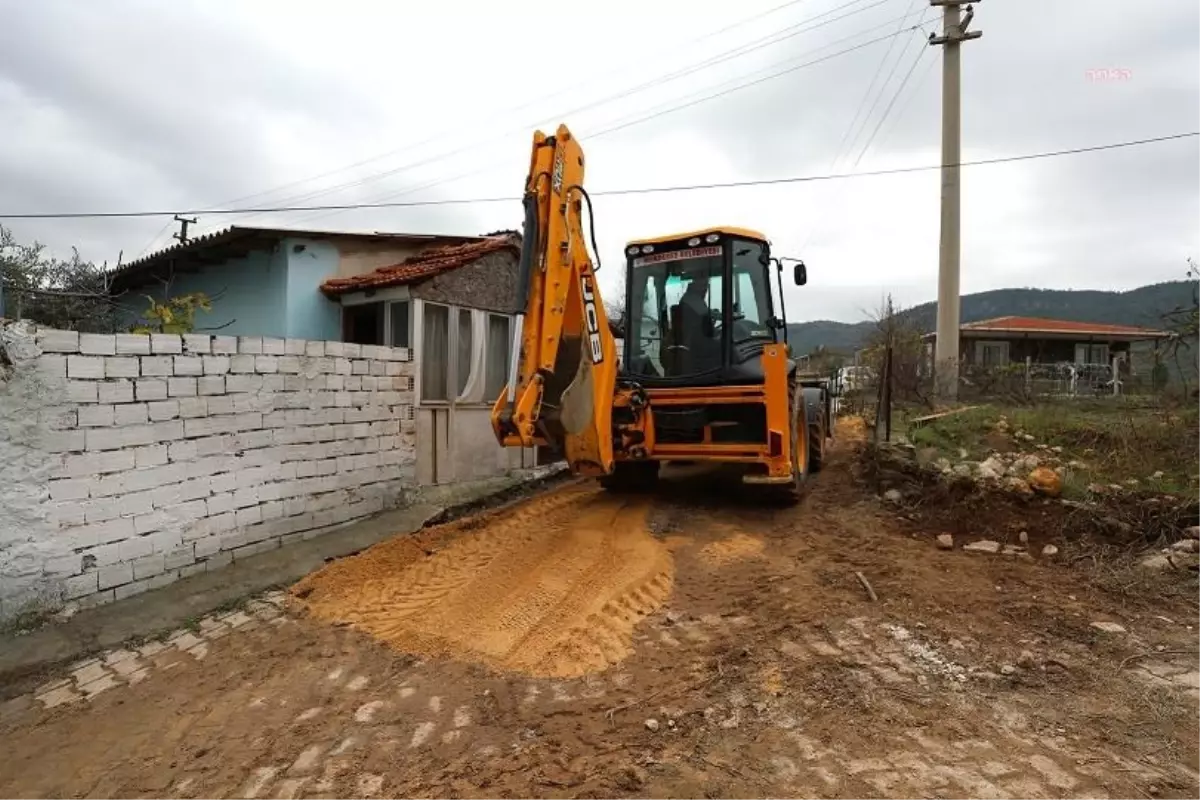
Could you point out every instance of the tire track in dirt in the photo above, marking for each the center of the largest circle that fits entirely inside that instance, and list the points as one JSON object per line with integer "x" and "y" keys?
{"x": 551, "y": 589}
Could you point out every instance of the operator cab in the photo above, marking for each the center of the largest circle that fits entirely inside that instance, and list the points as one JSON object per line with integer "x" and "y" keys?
{"x": 699, "y": 308}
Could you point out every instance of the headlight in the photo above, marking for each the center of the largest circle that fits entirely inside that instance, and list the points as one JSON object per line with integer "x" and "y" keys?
{"x": 712, "y": 237}
{"x": 692, "y": 242}
{"x": 647, "y": 248}
{"x": 632, "y": 250}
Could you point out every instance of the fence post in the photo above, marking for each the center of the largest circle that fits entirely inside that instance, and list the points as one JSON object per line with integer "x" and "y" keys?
{"x": 883, "y": 408}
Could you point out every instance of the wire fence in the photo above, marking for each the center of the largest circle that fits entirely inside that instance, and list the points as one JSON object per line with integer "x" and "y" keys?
{"x": 889, "y": 385}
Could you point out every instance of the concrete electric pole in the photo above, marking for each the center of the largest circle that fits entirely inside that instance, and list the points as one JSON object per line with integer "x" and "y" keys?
{"x": 182, "y": 236}
{"x": 954, "y": 32}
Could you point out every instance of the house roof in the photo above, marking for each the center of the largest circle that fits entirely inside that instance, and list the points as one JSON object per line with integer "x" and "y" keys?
{"x": 424, "y": 265}
{"x": 238, "y": 240}
{"x": 1058, "y": 328}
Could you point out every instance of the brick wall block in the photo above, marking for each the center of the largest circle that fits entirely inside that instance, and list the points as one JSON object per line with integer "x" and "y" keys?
{"x": 250, "y": 344}
{"x": 85, "y": 367}
{"x": 97, "y": 344}
{"x": 189, "y": 365}
{"x": 54, "y": 341}
{"x": 157, "y": 366}
{"x": 132, "y": 344}
{"x": 115, "y": 575}
{"x": 167, "y": 343}
{"x": 224, "y": 345}
{"x": 314, "y": 349}
{"x": 197, "y": 343}
{"x": 114, "y": 391}
{"x": 148, "y": 389}
{"x": 215, "y": 365}
{"x": 211, "y": 385}
{"x": 181, "y": 387}
{"x": 131, "y": 414}
{"x": 122, "y": 367}
{"x": 273, "y": 346}
{"x": 266, "y": 364}
{"x": 146, "y": 585}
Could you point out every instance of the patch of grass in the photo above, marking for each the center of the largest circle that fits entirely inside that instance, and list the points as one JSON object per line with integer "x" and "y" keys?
{"x": 1114, "y": 440}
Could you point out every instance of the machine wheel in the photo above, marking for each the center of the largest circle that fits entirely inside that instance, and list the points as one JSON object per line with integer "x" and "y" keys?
{"x": 629, "y": 477}
{"x": 818, "y": 427}
{"x": 801, "y": 451}
{"x": 816, "y": 443}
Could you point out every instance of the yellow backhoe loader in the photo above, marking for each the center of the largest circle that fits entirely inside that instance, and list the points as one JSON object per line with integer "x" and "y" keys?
{"x": 706, "y": 374}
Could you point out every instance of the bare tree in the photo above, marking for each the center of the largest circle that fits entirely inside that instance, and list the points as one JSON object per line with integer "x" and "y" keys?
{"x": 614, "y": 303}
{"x": 897, "y": 330}
{"x": 1184, "y": 322}
{"x": 71, "y": 294}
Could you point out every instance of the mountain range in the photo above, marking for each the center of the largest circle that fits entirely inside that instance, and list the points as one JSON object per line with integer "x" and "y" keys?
{"x": 1144, "y": 306}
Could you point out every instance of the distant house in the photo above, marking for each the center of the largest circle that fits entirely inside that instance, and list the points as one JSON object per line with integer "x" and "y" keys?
{"x": 1074, "y": 356}
{"x": 1006, "y": 340}
{"x": 449, "y": 299}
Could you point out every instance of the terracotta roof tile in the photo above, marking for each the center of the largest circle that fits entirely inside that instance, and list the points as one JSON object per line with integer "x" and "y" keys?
{"x": 422, "y": 266}
{"x": 1036, "y": 324}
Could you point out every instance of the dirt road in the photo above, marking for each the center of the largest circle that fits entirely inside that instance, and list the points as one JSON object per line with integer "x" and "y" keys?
{"x": 581, "y": 645}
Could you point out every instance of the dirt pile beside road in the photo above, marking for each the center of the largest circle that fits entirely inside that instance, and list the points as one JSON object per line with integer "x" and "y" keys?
{"x": 551, "y": 589}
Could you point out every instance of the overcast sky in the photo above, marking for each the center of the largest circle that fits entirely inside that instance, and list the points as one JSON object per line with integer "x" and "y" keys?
{"x": 143, "y": 104}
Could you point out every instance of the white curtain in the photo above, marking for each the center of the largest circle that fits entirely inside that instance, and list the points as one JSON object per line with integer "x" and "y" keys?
{"x": 435, "y": 352}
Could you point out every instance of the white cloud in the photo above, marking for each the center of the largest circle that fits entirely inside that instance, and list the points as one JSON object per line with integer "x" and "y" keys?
{"x": 139, "y": 104}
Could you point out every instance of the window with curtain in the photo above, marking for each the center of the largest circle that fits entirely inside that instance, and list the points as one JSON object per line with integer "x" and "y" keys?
{"x": 464, "y": 345}
{"x": 435, "y": 352}
{"x": 400, "y": 325}
{"x": 499, "y": 346}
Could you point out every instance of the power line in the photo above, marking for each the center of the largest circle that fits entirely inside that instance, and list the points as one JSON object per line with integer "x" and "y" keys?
{"x": 694, "y": 99}
{"x": 791, "y": 31}
{"x": 852, "y": 135}
{"x": 616, "y": 192}
{"x": 888, "y": 110}
{"x": 530, "y": 104}
{"x": 929, "y": 62}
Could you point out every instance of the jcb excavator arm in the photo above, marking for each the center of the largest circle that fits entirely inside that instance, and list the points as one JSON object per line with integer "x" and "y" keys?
{"x": 563, "y": 371}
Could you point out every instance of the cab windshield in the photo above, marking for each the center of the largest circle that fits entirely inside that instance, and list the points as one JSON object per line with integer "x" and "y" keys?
{"x": 676, "y": 313}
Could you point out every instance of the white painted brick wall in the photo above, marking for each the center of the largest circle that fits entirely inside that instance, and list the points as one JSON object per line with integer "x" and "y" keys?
{"x": 128, "y": 461}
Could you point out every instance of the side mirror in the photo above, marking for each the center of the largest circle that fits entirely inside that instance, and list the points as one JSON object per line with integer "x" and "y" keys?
{"x": 801, "y": 274}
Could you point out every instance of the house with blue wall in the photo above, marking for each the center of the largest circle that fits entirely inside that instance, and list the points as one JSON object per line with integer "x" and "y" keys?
{"x": 266, "y": 281}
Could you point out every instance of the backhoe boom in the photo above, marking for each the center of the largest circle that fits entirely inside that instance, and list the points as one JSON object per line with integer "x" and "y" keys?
{"x": 563, "y": 372}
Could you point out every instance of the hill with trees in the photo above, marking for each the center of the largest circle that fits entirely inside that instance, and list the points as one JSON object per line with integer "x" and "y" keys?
{"x": 1146, "y": 306}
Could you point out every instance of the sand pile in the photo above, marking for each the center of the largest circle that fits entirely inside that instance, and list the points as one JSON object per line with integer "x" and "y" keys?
{"x": 552, "y": 587}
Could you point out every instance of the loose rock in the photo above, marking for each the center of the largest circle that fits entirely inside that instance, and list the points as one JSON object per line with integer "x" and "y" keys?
{"x": 1007, "y": 669}
{"x": 945, "y": 541}
{"x": 1192, "y": 532}
{"x": 1018, "y": 486}
{"x": 1156, "y": 562}
{"x": 1108, "y": 627}
{"x": 651, "y": 724}
{"x": 983, "y": 546}
{"x": 1049, "y": 551}
{"x": 1023, "y": 536}
{"x": 1026, "y": 660}
{"x": 893, "y": 496}
{"x": 1045, "y": 481}
{"x": 1187, "y": 546}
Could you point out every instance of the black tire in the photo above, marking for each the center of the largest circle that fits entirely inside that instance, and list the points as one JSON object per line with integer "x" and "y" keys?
{"x": 816, "y": 404}
{"x": 816, "y": 444}
{"x": 630, "y": 477}
{"x": 794, "y": 492}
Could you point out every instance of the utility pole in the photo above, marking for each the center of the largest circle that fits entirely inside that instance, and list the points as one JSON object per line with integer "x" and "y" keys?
{"x": 182, "y": 236}
{"x": 949, "y": 313}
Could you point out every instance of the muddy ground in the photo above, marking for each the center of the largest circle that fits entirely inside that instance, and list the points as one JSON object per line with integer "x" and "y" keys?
{"x": 692, "y": 644}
